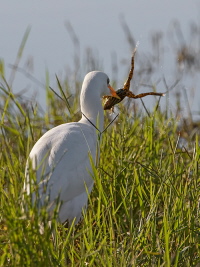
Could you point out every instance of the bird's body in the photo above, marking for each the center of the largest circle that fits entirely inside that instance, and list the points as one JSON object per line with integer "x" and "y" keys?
{"x": 61, "y": 157}
{"x": 66, "y": 169}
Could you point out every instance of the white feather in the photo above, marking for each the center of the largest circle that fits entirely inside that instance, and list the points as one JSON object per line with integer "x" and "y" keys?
{"x": 61, "y": 156}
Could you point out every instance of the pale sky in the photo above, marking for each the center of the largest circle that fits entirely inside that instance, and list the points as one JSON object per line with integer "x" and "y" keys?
{"x": 96, "y": 24}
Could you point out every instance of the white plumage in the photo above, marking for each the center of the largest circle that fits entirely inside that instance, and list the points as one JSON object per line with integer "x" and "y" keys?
{"x": 61, "y": 156}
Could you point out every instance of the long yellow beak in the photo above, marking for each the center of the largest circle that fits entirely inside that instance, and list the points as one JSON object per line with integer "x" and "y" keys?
{"x": 113, "y": 92}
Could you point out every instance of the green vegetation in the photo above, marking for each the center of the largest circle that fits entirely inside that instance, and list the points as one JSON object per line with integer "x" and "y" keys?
{"x": 145, "y": 206}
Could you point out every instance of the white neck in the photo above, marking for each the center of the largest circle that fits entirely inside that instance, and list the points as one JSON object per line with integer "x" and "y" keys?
{"x": 92, "y": 109}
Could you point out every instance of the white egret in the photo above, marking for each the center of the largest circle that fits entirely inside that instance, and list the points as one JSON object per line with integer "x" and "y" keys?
{"x": 60, "y": 157}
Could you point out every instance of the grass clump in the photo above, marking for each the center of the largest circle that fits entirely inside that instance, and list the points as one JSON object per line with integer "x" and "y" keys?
{"x": 143, "y": 210}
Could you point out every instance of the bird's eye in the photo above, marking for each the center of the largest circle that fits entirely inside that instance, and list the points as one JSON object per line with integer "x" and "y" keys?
{"x": 108, "y": 81}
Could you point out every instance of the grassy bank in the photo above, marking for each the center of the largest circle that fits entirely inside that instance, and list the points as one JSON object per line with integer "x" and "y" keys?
{"x": 144, "y": 209}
